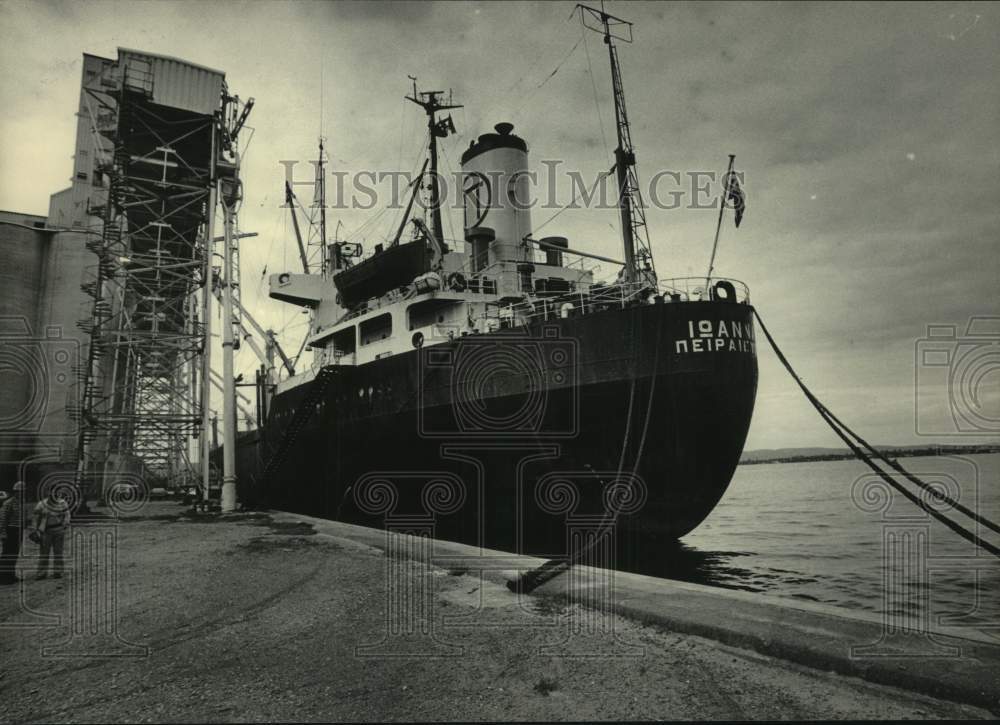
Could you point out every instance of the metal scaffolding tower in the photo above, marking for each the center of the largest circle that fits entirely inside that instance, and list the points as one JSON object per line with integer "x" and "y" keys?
{"x": 173, "y": 126}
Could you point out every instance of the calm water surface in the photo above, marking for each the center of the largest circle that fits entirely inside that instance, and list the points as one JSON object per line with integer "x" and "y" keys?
{"x": 814, "y": 531}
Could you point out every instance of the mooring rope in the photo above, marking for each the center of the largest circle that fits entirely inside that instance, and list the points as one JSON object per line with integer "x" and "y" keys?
{"x": 843, "y": 432}
{"x": 530, "y": 580}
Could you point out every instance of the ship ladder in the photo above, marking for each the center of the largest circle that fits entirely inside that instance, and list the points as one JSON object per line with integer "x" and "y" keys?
{"x": 299, "y": 420}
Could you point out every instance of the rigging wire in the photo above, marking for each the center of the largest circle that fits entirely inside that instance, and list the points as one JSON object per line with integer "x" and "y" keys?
{"x": 593, "y": 84}
{"x": 601, "y": 177}
{"x": 283, "y": 218}
{"x": 402, "y": 133}
{"x": 560, "y": 63}
{"x": 415, "y": 168}
{"x": 292, "y": 324}
{"x": 455, "y": 177}
{"x": 246, "y": 147}
{"x": 284, "y": 265}
{"x": 302, "y": 347}
{"x": 533, "y": 91}
{"x": 502, "y": 98}
{"x": 464, "y": 124}
{"x": 366, "y": 225}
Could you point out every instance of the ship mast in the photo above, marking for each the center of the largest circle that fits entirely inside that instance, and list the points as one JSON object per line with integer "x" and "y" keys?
{"x": 431, "y": 102}
{"x": 321, "y": 180}
{"x": 638, "y": 257}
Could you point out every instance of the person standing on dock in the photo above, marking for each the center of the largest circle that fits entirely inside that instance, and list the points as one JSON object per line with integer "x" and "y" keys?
{"x": 11, "y": 523}
{"x": 51, "y": 521}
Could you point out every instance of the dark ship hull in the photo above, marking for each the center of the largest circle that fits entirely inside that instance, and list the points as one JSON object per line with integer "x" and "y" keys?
{"x": 513, "y": 439}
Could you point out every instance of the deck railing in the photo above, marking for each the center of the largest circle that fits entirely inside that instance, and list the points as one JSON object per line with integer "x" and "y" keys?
{"x": 599, "y": 298}
{"x": 619, "y": 296}
{"x": 694, "y": 289}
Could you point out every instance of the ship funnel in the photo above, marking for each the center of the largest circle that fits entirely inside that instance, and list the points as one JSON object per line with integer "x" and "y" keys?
{"x": 553, "y": 250}
{"x": 497, "y": 194}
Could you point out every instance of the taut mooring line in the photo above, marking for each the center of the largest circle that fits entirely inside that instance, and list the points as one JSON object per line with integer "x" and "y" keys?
{"x": 530, "y": 580}
{"x": 843, "y": 431}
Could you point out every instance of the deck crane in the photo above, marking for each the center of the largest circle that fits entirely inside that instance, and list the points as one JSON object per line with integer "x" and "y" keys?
{"x": 268, "y": 336}
{"x": 437, "y": 246}
{"x": 409, "y": 205}
{"x": 290, "y": 200}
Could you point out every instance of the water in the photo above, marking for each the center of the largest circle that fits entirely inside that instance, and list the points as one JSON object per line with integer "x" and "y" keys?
{"x": 797, "y": 530}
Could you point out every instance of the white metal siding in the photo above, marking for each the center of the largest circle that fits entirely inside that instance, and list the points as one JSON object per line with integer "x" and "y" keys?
{"x": 178, "y": 84}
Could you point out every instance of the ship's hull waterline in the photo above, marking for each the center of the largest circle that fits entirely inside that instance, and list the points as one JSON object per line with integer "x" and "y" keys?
{"x": 515, "y": 439}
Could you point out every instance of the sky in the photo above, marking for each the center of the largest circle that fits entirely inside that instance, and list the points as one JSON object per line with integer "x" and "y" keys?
{"x": 868, "y": 136}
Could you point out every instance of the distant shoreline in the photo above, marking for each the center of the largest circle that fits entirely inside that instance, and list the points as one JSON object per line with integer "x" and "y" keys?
{"x": 791, "y": 456}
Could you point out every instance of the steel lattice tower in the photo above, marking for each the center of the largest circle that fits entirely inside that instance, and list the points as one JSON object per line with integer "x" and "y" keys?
{"x": 141, "y": 399}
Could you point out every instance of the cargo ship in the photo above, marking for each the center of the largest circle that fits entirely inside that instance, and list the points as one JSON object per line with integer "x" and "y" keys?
{"x": 492, "y": 387}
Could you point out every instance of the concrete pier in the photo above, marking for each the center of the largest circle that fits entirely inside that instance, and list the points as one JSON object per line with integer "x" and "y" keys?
{"x": 282, "y": 617}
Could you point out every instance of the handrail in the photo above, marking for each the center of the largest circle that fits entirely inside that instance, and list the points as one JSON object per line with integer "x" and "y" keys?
{"x": 367, "y": 306}
{"x": 620, "y": 296}
{"x": 599, "y": 297}
{"x": 694, "y": 289}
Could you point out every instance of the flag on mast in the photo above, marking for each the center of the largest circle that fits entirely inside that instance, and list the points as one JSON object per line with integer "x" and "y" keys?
{"x": 734, "y": 194}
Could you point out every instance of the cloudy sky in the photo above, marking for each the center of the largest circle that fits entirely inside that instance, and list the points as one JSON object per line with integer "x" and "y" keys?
{"x": 869, "y": 136}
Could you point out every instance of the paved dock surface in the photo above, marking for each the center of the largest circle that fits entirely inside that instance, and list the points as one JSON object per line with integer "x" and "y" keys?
{"x": 278, "y": 618}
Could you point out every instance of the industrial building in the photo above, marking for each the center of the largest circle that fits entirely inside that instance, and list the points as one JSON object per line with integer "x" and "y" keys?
{"x": 102, "y": 302}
